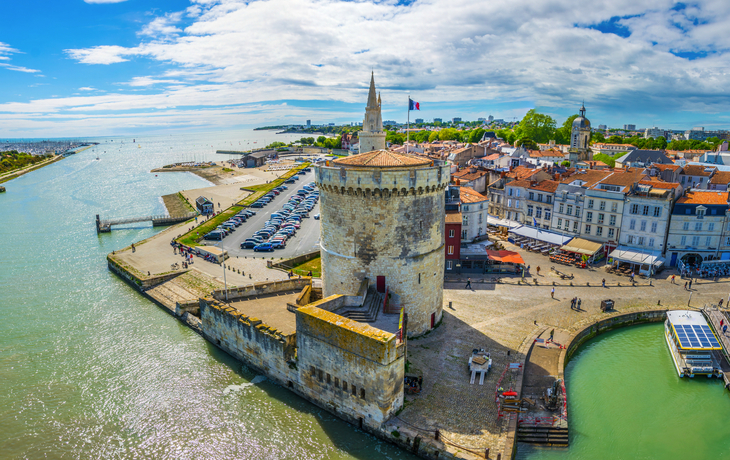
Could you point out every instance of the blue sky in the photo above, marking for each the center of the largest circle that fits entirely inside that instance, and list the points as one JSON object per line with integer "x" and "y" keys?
{"x": 106, "y": 67}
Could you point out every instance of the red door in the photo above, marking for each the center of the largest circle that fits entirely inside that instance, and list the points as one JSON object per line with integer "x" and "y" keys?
{"x": 380, "y": 284}
{"x": 433, "y": 320}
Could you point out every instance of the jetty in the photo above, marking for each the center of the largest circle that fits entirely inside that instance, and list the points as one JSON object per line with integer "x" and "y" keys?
{"x": 105, "y": 225}
{"x": 714, "y": 316}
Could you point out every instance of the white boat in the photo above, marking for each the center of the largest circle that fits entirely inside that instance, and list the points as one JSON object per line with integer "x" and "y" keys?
{"x": 691, "y": 343}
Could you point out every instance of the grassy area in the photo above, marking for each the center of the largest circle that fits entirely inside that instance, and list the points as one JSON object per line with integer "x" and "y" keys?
{"x": 262, "y": 189}
{"x": 191, "y": 238}
{"x": 315, "y": 265}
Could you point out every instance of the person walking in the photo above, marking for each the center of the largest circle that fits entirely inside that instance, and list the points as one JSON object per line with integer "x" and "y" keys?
{"x": 690, "y": 284}
{"x": 722, "y": 321}
{"x": 724, "y": 329}
{"x": 673, "y": 280}
{"x": 552, "y": 334}
{"x": 572, "y": 303}
{"x": 552, "y": 293}
{"x": 685, "y": 285}
{"x": 603, "y": 282}
{"x": 538, "y": 270}
{"x": 719, "y": 304}
{"x": 577, "y": 306}
{"x": 468, "y": 283}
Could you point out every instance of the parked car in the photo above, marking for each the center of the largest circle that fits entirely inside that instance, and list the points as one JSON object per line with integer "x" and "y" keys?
{"x": 316, "y": 217}
{"x": 263, "y": 247}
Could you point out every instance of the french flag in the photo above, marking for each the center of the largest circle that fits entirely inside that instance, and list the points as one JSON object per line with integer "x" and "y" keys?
{"x": 413, "y": 105}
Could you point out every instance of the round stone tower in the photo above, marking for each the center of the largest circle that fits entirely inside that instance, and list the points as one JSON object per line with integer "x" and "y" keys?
{"x": 382, "y": 218}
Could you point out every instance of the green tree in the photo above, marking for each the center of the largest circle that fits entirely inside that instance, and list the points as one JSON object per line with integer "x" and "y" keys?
{"x": 598, "y": 137}
{"x": 448, "y": 134}
{"x": 527, "y": 143}
{"x": 660, "y": 143}
{"x": 394, "y": 137}
{"x": 476, "y": 135}
{"x": 565, "y": 163}
{"x": 615, "y": 139}
{"x": 433, "y": 136}
{"x": 562, "y": 134}
{"x": 536, "y": 126}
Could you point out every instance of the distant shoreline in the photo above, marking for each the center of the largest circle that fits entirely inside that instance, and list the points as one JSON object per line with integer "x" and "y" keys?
{"x": 15, "y": 174}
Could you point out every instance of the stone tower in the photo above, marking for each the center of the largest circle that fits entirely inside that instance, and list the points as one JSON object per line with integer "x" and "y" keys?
{"x": 372, "y": 136}
{"x": 383, "y": 219}
{"x": 580, "y": 136}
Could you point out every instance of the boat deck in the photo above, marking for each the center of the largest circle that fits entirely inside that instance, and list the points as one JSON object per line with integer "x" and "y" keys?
{"x": 714, "y": 317}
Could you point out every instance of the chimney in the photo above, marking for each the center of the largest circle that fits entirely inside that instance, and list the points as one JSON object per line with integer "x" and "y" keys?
{"x": 557, "y": 177}
{"x": 502, "y": 174}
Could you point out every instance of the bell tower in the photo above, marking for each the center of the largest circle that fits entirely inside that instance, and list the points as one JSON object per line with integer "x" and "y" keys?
{"x": 372, "y": 136}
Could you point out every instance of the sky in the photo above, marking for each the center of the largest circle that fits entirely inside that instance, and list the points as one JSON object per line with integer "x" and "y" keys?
{"x": 112, "y": 67}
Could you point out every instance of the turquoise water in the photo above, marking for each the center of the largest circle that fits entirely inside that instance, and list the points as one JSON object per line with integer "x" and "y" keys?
{"x": 625, "y": 401}
{"x": 91, "y": 369}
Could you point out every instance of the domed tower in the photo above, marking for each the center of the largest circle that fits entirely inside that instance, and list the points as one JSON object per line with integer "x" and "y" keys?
{"x": 372, "y": 136}
{"x": 580, "y": 137}
{"x": 382, "y": 218}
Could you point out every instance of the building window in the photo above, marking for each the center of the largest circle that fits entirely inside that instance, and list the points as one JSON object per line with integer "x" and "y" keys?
{"x": 538, "y": 213}
{"x": 449, "y": 265}
{"x": 577, "y": 211}
{"x": 643, "y": 225}
{"x": 549, "y": 199}
{"x": 570, "y": 210}
{"x": 560, "y": 209}
{"x": 603, "y": 206}
{"x": 539, "y": 197}
{"x": 651, "y": 242}
{"x": 601, "y": 217}
{"x": 710, "y": 226}
{"x": 590, "y": 204}
{"x": 329, "y": 378}
{"x": 344, "y": 386}
{"x": 575, "y": 226}
{"x": 695, "y": 241}
{"x": 451, "y": 250}
{"x": 657, "y": 211}
{"x": 599, "y": 231}
{"x": 708, "y": 241}
{"x": 688, "y": 211}
{"x": 451, "y": 233}
{"x": 641, "y": 241}
{"x": 532, "y": 196}
{"x": 509, "y": 203}
{"x": 529, "y": 210}
{"x": 610, "y": 233}
{"x": 634, "y": 209}
{"x": 547, "y": 213}
{"x": 466, "y": 207}
{"x": 517, "y": 203}
{"x": 700, "y": 213}
{"x": 337, "y": 382}
{"x": 465, "y": 220}
{"x": 362, "y": 393}
{"x": 517, "y": 192}
{"x": 509, "y": 192}
{"x": 560, "y": 223}
{"x": 685, "y": 227}
{"x": 588, "y": 229}
{"x": 645, "y": 211}
{"x": 589, "y": 216}
{"x": 727, "y": 241}
{"x": 612, "y": 220}
{"x": 463, "y": 234}
{"x": 354, "y": 390}
{"x": 653, "y": 227}
{"x": 480, "y": 218}
{"x": 631, "y": 239}
{"x": 683, "y": 242}
{"x": 698, "y": 226}
{"x": 614, "y": 207}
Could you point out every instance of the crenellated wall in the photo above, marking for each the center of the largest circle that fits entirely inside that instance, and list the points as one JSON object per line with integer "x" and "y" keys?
{"x": 385, "y": 222}
{"x": 351, "y": 368}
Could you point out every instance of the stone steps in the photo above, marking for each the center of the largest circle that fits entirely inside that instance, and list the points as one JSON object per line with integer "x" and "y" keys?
{"x": 551, "y": 436}
{"x": 369, "y": 311}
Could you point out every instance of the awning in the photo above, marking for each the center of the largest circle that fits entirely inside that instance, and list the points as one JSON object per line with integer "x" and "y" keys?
{"x": 581, "y": 246}
{"x": 541, "y": 235}
{"x": 637, "y": 257}
{"x": 497, "y": 222}
{"x": 509, "y": 257}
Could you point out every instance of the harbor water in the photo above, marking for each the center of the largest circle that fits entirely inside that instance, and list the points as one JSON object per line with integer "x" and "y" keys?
{"x": 89, "y": 368}
{"x": 626, "y": 402}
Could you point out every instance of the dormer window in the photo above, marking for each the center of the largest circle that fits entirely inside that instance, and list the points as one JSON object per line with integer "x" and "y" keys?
{"x": 700, "y": 211}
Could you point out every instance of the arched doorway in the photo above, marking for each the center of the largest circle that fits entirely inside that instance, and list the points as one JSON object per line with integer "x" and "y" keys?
{"x": 691, "y": 260}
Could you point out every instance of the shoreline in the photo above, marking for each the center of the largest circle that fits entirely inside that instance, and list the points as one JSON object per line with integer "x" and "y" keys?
{"x": 15, "y": 174}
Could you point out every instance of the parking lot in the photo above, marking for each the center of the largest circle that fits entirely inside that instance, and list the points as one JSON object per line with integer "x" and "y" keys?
{"x": 305, "y": 240}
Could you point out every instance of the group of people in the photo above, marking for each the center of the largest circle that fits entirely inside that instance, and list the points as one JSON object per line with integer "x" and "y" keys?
{"x": 575, "y": 303}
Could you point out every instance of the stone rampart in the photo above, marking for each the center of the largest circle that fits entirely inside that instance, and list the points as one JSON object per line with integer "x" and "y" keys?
{"x": 249, "y": 340}
{"x": 262, "y": 288}
{"x": 138, "y": 280}
{"x": 352, "y": 369}
{"x": 287, "y": 264}
{"x": 385, "y": 222}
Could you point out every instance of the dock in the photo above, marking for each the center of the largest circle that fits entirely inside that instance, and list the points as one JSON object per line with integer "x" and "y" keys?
{"x": 714, "y": 315}
{"x": 104, "y": 226}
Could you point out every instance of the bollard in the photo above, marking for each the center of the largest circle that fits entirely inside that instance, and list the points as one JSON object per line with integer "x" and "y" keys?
{"x": 436, "y": 435}
{"x": 450, "y": 305}
{"x": 499, "y": 456}
{"x": 486, "y": 453}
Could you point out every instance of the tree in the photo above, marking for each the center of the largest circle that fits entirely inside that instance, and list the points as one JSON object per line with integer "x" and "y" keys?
{"x": 394, "y": 137}
{"x": 660, "y": 143}
{"x": 476, "y": 135}
{"x": 565, "y": 163}
{"x": 562, "y": 134}
{"x": 615, "y": 139}
{"x": 448, "y": 134}
{"x": 598, "y": 137}
{"x": 537, "y": 126}
{"x": 527, "y": 143}
{"x": 433, "y": 136}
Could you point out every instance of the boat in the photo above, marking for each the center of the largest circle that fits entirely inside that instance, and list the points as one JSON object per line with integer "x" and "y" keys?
{"x": 692, "y": 344}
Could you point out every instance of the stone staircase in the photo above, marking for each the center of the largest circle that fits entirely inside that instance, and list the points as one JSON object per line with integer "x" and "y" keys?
{"x": 170, "y": 292}
{"x": 545, "y": 435}
{"x": 368, "y": 313}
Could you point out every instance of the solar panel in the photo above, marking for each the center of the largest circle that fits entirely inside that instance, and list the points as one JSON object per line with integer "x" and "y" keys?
{"x": 695, "y": 336}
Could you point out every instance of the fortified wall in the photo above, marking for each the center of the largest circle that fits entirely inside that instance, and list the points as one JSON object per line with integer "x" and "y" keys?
{"x": 385, "y": 222}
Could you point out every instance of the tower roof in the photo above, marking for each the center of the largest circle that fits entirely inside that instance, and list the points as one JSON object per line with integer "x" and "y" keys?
{"x": 382, "y": 159}
{"x": 372, "y": 96}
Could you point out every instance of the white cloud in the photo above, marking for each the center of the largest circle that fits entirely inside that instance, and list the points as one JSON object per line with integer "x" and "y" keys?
{"x": 540, "y": 52}
{"x": 87, "y": 88}
{"x": 5, "y": 52}
{"x": 104, "y": 1}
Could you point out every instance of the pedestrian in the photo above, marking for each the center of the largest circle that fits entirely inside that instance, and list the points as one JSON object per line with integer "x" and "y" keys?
{"x": 690, "y": 284}
{"x": 673, "y": 279}
{"x": 535, "y": 322}
{"x": 578, "y": 305}
{"x": 133, "y": 250}
{"x": 719, "y": 304}
{"x": 603, "y": 282}
{"x": 685, "y": 285}
{"x": 552, "y": 334}
{"x": 468, "y": 283}
{"x": 528, "y": 269}
{"x": 722, "y": 321}
{"x": 552, "y": 293}
{"x": 724, "y": 329}
{"x": 572, "y": 303}
{"x": 538, "y": 270}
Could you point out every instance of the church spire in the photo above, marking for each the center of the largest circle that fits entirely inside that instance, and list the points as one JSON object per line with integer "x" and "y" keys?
{"x": 372, "y": 101}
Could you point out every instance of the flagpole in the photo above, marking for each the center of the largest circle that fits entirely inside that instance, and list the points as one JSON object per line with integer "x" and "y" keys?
{"x": 408, "y": 124}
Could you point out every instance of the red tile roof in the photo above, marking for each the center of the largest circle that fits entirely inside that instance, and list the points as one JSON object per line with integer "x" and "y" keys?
{"x": 698, "y": 170}
{"x": 702, "y": 197}
{"x": 453, "y": 218}
{"x": 721, "y": 177}
{"x": 469, "y": 195}
{"x": 382, "y": 159}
